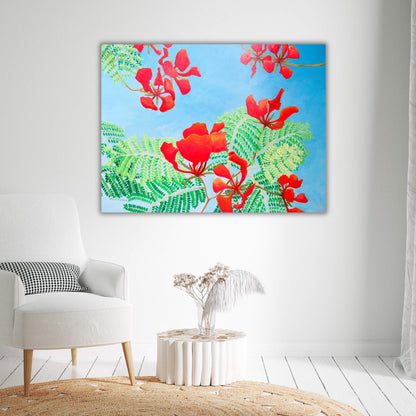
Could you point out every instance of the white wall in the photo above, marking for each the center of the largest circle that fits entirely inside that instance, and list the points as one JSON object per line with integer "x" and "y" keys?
{"x": 334, "y": 281}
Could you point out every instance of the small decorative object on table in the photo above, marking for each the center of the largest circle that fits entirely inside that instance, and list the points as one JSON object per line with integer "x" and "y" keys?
{"x": 216, "y": 290}
{"x": 206, "y": 356}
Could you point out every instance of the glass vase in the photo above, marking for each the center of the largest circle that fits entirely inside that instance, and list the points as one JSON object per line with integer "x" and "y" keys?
{"x": 206, "y": 324}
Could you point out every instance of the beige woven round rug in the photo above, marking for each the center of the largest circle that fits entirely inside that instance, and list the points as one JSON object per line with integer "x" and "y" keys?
{"x": 114, "y": 396}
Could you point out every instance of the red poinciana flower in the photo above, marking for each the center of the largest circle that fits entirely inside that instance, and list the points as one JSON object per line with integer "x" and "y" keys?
{"x": 196, "y": 147}
{"x": 160, "y": 89}
{"x": 264, "y": 111}
{"x": 282, "y": 55}
{"x": 257, "y": 55}
{"x": 158, "y": 51}
{"x": 288, "y": 185}
{"x": 225, "y": 202}
{"x": 177, "y": 71}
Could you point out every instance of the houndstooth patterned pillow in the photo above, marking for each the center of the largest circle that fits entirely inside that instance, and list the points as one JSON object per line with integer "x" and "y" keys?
{"x": 42, "y": 277}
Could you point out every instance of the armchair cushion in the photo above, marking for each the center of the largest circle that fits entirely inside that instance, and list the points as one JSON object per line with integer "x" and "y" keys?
{"x": 70, "y": 320}
{"x": 42, "y": 277}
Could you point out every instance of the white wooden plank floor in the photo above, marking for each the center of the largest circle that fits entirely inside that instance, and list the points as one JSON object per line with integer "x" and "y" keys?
{"x": 373, "y": 385}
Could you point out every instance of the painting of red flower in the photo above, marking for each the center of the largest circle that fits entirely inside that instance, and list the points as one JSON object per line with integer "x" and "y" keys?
{"x": 213, "y": 128}
{"x": 231, "y": 185}
{"x": 263, "y": 111}
{"x": 196, "y": 148}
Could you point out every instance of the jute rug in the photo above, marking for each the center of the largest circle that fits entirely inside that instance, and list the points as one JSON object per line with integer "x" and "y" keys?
{"x": 114, "y": 396}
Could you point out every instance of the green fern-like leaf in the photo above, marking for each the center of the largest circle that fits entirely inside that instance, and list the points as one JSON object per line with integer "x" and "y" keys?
{"x": 272, "y": 201}
{"x": 116, "y": 186}
{"x": 243, "y": 133}
{"x": 111, "y": 130}
{"x": 134, "y": 208}
{"x": 154, "y": 196}
{"x": 120, "y": 60}
{"x": 277, "y": 152}
{"x": 179, "y": 199}
{"x": 141, "y": 159}
{"x": 283, "y": 151}
{"x": 255, "y": 202}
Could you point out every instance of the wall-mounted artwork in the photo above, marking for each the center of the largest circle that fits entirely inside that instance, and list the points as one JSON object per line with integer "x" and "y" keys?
{"x": 213, "y": 128}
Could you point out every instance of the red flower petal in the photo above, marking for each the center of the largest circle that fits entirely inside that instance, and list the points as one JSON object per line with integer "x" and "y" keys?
{"x": 263, "y": 107}
{"x": 218, "y": 142}
{"x": 253, "y": 69}
{"x": 193, "y": 71}
{"x": 139, "y": 47}
{"x": 144, "y": 75}
{"x": 196, "y": 128}
{"x": 168, "y": 102}
{"x": 168, "y": 86}
{"x": 254, "y": 110}
{"x": 165, "y": 55}
{"x": 292, "y": 53}
{"x": 225, "y": 203}
{"x": 217, "y": 127}
{"x": 252, "y": 107}
{"x": 158, "y": 79}
{"x": 169, "y": 70}
{"x": 170, "y": 151}
{"x": 284, "y": 50}
{"x": 285, "y": 71}
{"x": 147, "y": 102}
{"x": 245, "y": 58}
{"x": 184, "y": 85}
{"x": 219, "y": 185}
{"x": 257, "y": 48}
{"x": 294, "y": 182}
{"x": 294, "y": 210}
{"x": 222, "y": 171}
{"x": 283, "y": 180}
{"x": 155, "y": 49}
{"x": 195, "y": 148}
{"x": 289, "y": 195}
{"x": 245, "y": 195}
{"x": 168, "y": 45}
{"x": 233, "y": 157}
{"x": 268, "y": 64}
{"x": 301, "y": 198}
{"x": 182, "y": 61}
{"x": 287, "y": 112}
{"x": 274, "y": 48}
{"x": 275, "y": 103}
{"x": 237, "y": 159}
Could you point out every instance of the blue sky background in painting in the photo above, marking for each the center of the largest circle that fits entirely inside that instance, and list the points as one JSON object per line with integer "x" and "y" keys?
{"x": 223, "y": 87}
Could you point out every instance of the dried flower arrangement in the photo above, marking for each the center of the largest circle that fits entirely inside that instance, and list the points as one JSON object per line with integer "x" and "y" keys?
{"x": 216, "y": 290}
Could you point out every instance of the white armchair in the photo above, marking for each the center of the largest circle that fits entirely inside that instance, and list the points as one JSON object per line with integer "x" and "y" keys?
{"x": 46, "y": 228}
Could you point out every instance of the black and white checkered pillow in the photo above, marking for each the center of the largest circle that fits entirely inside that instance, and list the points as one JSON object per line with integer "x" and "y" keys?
{"x": 42, "y": 277}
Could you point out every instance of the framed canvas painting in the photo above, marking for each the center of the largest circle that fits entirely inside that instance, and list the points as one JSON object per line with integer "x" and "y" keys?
{"x": 213, "y": 128}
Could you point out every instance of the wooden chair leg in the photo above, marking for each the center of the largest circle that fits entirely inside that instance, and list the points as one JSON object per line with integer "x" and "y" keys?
{"x": 27, "y": 364}
{"x": 129, "y": 360}
{"x": 74, "y": 356}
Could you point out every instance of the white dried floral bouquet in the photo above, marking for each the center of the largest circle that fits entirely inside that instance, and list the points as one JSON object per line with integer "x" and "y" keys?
{"x": 216, "y": 290}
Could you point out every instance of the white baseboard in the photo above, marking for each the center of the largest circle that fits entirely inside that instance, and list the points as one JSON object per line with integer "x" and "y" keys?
{"x": 340, "y": 349}
{"x": 369, "y": 348}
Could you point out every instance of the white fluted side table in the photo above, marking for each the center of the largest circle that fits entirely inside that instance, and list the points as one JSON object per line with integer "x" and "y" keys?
{"x": 186, "y": 358}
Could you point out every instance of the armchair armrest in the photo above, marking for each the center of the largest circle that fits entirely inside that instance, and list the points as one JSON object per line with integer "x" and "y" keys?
{"x": 12, "y": 295}
{"x": 105, "y": 279}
